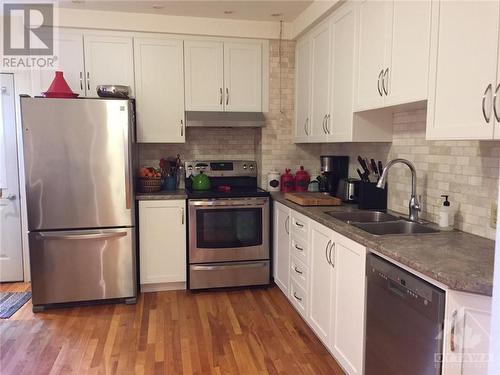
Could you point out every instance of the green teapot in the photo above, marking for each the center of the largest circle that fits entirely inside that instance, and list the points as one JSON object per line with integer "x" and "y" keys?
{"x": 200, "y": 182}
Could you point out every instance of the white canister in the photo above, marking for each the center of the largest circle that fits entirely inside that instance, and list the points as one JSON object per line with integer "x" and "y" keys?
{"x": 273, "y": 181}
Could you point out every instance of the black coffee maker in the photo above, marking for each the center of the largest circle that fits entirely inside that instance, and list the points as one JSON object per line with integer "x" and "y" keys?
{"x": 333, "y": 169}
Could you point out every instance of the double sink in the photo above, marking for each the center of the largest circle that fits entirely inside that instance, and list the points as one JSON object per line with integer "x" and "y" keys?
{"x": 381, "y": 223}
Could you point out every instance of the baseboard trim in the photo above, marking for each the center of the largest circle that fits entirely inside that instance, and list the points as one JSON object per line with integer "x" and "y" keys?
{"x": 162, "y": 287}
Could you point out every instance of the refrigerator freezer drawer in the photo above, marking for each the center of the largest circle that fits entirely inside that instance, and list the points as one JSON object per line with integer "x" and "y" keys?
{"x": 218, "y": 275}
{"x": 72, "y": 266}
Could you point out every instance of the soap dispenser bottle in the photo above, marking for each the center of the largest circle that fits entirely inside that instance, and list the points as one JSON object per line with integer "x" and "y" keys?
{"x": 445, "y": 213}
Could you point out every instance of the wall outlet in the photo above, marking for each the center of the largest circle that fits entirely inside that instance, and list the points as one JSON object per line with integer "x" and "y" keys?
{"x": 493, "y": 215}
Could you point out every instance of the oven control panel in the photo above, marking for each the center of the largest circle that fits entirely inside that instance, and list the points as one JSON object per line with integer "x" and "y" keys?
{"x": 222, "y": 168}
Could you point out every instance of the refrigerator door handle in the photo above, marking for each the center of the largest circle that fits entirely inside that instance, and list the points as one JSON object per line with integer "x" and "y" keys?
{"x": 127, "y": 167}
{"x": 81, "y": 235}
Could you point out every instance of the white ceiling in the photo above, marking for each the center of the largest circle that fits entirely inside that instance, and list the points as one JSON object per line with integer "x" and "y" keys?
{"x": 257, "y": 10}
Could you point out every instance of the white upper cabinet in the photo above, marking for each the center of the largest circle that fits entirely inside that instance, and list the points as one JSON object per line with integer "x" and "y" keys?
{"x": 69, "y": 61}
{"x": 393, "y": 53}
{"x": 374, "y": 19}
{"x": 343, "y": 43}
{"x": 243, "y": 77}
{"x": 463, "y": 70}
{"x": 302, "y": 89}
{"x": 204, "y": 75}
{"x": 223, "y": 76}
{"x": 159, "y": 82}
{"x": 109, "y": 60}
{"x": 281, "y": 246}
{"x": 321, "y": 285}
{"x": 320, "y": 82}
{"x": 407, "y": 78}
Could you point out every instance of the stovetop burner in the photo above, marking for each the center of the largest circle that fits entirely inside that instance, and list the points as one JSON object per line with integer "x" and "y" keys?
{"x": 229, "y": 179}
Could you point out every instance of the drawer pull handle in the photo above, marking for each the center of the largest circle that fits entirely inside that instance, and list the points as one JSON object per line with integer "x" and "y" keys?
{"x": 299, "y": 224}
{"x": 299, "y": 248}
{"x": 297, "y": 298}
{"x": 297, "y": 270}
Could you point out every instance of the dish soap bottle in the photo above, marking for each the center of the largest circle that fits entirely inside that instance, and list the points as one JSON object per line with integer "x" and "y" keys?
{"x": 445, "y": 213}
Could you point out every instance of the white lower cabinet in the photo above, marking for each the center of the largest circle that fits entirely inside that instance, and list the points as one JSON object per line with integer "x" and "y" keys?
{"x": 347, "y": 339}
{"x": 466, "y": 334}
{"x": 162, "y": 244}
{"x": 326, "y": 274}
{"x": 281, "y": 246}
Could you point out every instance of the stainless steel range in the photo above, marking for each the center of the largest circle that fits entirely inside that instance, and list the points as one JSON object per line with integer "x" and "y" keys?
{"x": 228, "y": 226}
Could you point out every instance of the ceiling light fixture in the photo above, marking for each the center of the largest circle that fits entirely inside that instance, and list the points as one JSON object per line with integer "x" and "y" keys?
{"x": 77, "y": 1}
{"x": 228, "y": 12}
{"x": 158, "y": 7}
{"x": 276, "y": 14}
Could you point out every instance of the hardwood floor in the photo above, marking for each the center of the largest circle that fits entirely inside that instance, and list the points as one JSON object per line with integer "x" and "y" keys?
{"x": 247, "y": 331}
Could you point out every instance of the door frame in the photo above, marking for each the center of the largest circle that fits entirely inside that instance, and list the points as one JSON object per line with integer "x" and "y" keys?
{"x": 23, "y": 84}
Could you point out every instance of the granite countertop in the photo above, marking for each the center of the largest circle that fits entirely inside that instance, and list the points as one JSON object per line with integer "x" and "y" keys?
{"x": 161, "y": 195}
{"x": 459, "y": 260}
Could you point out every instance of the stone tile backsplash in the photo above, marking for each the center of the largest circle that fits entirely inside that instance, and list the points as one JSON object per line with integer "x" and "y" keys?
{"x": 467, "y": 171}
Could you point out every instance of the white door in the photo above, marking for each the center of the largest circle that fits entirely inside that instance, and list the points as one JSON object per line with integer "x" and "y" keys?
{"x": 321, "y": 287}
{"x": 348, "y": 333}
{"x": 343, "y": 48}
{"x": 463, "y": 69}
{"x": 109, "y": 60}
{"x": 281, "y": 246}
{"x": 69, "y": 60}
{"x": 159, "y": 85}
{"x": 407, "y": 77}
{"x": 162, "y": 241}
{"x": 11, "y": 252}
{"x": 320, "y": 82}
{"x": 243, "y": 77}
{"x": 374, "y": 20}
{"x": 204, "y": 75}
{"x": 302, "y": 89}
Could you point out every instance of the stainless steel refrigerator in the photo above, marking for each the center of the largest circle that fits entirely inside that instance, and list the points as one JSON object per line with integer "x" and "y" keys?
{"x": 79, "y": 195}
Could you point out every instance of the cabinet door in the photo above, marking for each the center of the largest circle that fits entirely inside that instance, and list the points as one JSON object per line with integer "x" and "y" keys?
{"x": 109, "y": 60}
{"x": 320, "y": 47}
{"x": 69, "y": 61}
{"x": 463, "y": 68}
{"x": 302, "y": 89}
{"x": 162, "y": 241}
{"x": 407, "y": 75}
{"x": 467, "y": 334}
{"x": 343, "y": 44}
{"x": 281, "y": 246}
{"x": 373, "y": 46}
{"x": 348, "y": 334}
{"x": 160, "y": 112}
{"x": 204, "y": 75}
{"x": 243, "y": 77}
{"x": 321, "y": 287}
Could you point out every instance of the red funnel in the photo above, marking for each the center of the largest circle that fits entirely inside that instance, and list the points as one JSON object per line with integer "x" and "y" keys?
{"x": 59, "y": 88}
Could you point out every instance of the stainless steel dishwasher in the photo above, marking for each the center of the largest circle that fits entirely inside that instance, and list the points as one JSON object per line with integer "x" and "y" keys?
{"x": 404, "y": 321}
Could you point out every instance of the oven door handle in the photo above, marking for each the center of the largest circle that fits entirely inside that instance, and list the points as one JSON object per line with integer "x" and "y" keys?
{"x": 223, "y": 267}
{"x": 232, "y": 203}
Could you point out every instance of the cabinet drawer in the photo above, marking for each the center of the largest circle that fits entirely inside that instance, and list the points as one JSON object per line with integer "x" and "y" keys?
{"x": 298, "y": 297}
{"x": 299, "y": 226}
{"x": 299, "y": 272}
{"x": 300, "y": 249}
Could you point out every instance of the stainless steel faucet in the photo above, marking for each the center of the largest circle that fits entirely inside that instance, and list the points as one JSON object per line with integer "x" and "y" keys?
{"x": 414, "y": 206}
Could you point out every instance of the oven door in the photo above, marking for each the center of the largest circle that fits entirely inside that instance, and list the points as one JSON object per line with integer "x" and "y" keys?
{"x": 228, "y": 230}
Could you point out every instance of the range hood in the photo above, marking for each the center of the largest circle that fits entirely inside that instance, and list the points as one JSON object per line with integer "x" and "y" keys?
{"x": 225, "y": 119}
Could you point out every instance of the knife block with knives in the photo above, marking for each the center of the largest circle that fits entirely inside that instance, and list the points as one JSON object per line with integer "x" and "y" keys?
{"x": 369, "y": 196}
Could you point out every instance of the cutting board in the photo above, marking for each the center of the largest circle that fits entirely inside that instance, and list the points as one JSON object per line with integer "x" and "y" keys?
{"x": 313, "y": 199}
